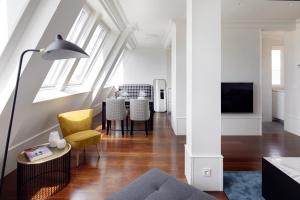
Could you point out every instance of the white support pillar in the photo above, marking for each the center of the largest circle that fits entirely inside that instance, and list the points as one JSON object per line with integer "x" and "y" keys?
{"x": 203, "y": 159}
{"x": 178, "y": 76}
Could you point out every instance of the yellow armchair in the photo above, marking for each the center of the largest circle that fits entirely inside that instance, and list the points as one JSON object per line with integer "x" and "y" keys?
{"x": 76, "y": 127}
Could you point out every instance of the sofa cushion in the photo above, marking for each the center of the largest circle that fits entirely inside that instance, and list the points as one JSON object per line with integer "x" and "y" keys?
{"x": 158, "y": 185}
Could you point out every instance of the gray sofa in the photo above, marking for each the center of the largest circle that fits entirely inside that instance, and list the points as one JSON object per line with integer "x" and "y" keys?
{"x": 158, "y": 185}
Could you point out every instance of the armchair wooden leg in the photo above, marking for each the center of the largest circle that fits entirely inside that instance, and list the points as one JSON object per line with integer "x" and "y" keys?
{"x": 98, "y": 151}
{"x": 131, "y": 127}
{"x": 77, "y": 158}
{"x": 146, "y": 127}
{"x": 122, "y": 127}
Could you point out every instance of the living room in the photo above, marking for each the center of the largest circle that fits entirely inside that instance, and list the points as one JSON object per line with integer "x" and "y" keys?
{"x": 196, "y": 48}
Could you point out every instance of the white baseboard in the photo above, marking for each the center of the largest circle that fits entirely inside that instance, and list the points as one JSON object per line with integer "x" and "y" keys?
{"x": 48, "y": 130}
{"x": 180, "y": 128}
{"x": 194, "y": 165}
{"x": 291, "y": 124}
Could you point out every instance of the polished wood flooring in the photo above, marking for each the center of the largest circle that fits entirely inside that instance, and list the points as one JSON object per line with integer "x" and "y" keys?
{"x": 244, "y": 153}
{"x": 125, "y": 158}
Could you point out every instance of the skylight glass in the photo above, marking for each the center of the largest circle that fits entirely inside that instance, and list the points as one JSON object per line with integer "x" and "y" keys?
{"x": 276, "y": 67}
{"x": 76, "y": 35}
{"x": 85, "y": 65}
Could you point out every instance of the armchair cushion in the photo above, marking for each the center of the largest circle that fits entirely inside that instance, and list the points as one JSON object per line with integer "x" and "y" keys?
{"x": 75, "y": 121}
{"x": 83, "y": 139}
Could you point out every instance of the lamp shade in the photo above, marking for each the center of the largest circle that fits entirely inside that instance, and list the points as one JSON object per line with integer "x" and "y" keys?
{"x": 62, "y": 49}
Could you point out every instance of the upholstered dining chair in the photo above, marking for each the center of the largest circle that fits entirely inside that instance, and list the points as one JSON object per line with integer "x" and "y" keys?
{"x": 116, "y": 111}
{"x": 139, "y": 111}
{"x": 76, "y": 127}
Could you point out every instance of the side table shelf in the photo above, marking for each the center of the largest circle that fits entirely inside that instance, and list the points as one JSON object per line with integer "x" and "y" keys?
{"x": 42, "y": 178}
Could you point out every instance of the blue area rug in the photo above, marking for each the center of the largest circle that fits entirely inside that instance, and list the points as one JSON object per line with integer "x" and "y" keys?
{"x": 244, "y": 185}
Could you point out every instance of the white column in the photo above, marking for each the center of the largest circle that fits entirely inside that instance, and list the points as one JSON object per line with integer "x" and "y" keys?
{"x": 203, "y": 159}
{"x": 178, "y": 115}
{"x": 291, "y": 80}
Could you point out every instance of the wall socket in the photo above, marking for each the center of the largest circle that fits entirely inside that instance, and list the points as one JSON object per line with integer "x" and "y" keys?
{"x": 206, "y": 172}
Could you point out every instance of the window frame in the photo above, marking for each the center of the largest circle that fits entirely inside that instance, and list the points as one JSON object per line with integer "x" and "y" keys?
{"x": 62, "y": 87}
{"x": 281, "y": 71}
{"x": 61, "y": 64}
{"x": 90, "y": 63}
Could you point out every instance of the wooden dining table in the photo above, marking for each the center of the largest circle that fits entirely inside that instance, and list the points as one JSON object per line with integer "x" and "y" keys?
{"x": 127, "y": 104}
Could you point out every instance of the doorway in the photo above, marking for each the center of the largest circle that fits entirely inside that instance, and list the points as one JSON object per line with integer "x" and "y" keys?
{"x": 273, "y": 82}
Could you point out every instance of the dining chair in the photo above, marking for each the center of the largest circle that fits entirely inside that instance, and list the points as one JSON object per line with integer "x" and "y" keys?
{"x": 139, "y": 111}
{"x": 115, "y": 111}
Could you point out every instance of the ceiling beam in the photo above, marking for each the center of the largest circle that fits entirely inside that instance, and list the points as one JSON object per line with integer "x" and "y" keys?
{"x": 115, "y": 11}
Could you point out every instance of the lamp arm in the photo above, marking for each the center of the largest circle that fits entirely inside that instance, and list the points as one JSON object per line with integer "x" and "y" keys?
{"x": 12, "y": 114}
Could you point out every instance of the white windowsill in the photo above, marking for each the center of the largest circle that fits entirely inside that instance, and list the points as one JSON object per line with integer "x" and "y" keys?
{"x": 48, "y": 95}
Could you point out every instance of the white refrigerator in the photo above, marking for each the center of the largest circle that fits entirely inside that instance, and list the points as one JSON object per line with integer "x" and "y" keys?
{"x": 160, "y": 95}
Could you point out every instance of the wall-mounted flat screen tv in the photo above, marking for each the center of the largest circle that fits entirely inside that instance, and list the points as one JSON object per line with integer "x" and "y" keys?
{"x": 237, "y": 97}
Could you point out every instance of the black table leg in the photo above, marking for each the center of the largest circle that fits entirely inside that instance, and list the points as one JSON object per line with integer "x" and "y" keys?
{"x": 131, "y": 127}
{"x": 108, "y": 126}
{"x": 146, "y": 127}
{"x": 122, "y": 127}
{"x": 103, "y": 115}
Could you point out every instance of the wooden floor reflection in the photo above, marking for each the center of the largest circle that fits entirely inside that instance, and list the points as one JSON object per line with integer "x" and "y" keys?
{"x": 123, "y": 159}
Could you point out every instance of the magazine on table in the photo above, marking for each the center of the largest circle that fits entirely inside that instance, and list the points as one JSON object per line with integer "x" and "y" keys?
{"x": 37, "y": 153}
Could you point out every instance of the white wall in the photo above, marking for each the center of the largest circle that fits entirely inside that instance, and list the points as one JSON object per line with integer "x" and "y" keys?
{"x": 278, "y": 104}
{"x": 270, "y": 39}
{"x": 10, "y": 14}
{"x": 142, "y": 66}
{"x": 292, "y": 83}
{"x": 169, "y": 66}
{"x": 241, "y": 50}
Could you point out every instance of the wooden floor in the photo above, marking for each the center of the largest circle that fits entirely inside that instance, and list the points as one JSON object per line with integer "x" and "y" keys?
{"x": 244, "y": 153}
{"x": 125, "y": 158}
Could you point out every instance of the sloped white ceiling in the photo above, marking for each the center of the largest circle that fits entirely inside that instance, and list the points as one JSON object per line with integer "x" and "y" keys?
{"x": 152, "y": 16}
{"x": 260, "y": 10}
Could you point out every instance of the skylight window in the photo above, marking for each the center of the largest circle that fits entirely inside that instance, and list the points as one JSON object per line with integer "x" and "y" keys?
{"x": 76, "y": 35}
{"x": 85, "y": 65}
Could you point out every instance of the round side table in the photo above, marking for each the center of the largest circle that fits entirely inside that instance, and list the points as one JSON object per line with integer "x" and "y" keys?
{"x": 44, "y": 177}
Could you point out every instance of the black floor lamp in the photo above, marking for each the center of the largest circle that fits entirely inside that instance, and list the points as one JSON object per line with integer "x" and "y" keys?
{"x": 57, "y": 50}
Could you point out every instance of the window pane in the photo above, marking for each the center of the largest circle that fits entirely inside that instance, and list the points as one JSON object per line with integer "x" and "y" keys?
{"x": 75, "y": 35}
{"x": 92, "y": 49}
{"x": 276, "y": 59}
{"x": 276, "y": 77}
{"x": 276, "y": 67}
